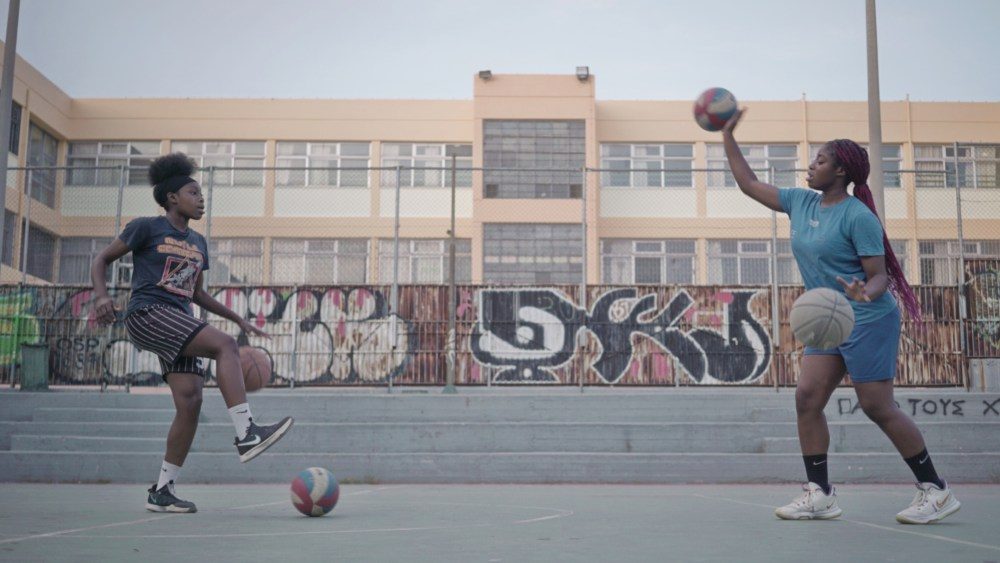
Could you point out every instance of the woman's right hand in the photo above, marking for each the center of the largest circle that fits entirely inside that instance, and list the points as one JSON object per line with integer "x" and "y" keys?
{"x": 733, "y": 121}
{"x": 104, "y": 308}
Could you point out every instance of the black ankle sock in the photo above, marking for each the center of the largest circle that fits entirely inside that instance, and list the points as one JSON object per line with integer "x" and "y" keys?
{"x": 816, "y": 471}
{"x": 923, "y": 468}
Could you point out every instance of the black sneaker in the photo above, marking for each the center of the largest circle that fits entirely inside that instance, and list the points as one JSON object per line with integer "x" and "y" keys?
{"x": 259, "y": 438}
{"x": 164, "y": 500}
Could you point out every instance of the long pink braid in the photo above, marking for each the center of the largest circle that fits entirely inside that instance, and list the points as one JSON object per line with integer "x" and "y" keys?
{"x": 854, "y": 161}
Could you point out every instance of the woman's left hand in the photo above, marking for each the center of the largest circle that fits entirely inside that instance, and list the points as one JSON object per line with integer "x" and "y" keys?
{"x": 855, "y": 290}
{"x": 249, "y": 328}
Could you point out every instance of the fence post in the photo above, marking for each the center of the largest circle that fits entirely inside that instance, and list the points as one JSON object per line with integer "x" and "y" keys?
{"x": 394, "y": 298}
{"x": 451, "y": 352}
{"x": 25, "y": 233}
{"x": 208, "y": 211}
{"x": 295, "y": 338}
{"x": 118, "y": 220}
{"x": 582, "y": 333}
{"x": 775, "y": 321}
{"x": 960, "y": 277}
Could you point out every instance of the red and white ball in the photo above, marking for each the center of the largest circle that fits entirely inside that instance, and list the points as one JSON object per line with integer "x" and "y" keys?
{"x": 713, "y": 108}
{"x": 315, "y": 491}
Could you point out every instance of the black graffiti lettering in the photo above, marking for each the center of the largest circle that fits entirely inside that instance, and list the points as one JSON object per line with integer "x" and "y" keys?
{"x": 932, "y": 410}
{"x": 956, "y": 407}
{"x": 944, "y": 406}
{"x": 913, "y": 406}
{"x": 841, "y": 404}
{"x": 525, "y": 332}
{"x": 746, "y": 353}
{"x": 991, "y": 406}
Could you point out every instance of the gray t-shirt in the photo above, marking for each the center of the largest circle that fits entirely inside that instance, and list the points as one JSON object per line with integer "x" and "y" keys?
{"x": 166, "y": 263}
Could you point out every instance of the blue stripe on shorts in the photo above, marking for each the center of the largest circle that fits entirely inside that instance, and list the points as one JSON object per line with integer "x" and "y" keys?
{"x": 870, "y": 351}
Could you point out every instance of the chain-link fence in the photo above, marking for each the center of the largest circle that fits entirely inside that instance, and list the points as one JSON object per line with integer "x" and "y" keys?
{"x": 348, "y": 267}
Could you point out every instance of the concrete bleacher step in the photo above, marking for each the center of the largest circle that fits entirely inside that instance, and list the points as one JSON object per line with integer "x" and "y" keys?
{"x": 758, "y": 437}
{"x": 469, "y": 406}
{"x": 548, "y": 435}
{"x": 425, "y": 437}
{"x": 517, "y": 467}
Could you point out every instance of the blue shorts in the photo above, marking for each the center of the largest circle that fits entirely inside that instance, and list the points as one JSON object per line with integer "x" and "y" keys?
{"x": 870, "y": 351}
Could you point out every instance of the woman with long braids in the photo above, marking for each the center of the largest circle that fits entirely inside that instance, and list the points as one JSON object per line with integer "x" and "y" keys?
{"x": 839, "y": 243}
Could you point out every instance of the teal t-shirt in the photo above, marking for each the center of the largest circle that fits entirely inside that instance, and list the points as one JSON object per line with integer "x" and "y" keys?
{"x": 829, "y": 241}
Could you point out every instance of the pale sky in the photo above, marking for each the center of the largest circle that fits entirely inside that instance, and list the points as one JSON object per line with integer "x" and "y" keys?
{"x": 430, "y": 49}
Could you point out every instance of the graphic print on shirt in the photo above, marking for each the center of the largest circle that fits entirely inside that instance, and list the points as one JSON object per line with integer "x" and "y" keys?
{"x": 184, "y": 263}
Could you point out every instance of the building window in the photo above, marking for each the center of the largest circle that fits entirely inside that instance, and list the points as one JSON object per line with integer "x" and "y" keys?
{"x": 96, "y": 163}
{"x": 892, "y": 159}
{"x": 658, "y": 262}
{"x": 532, "y": 254}
{"x": 9, "y": 223}
{"x": 521, "y": 158}
{"x": 761, "y": 159}
{"x": 319, "y": 261}
{"x": 425, "y": 261}
{"x": 239, "y": 163}
{"x": 15, "y": 128}
{"x": 322, "y": 164}
{"x": 625, "y": 166}
{"x": 900, "y": 247}
{"x": 236, "y": 261}
{"x": 43, "y": 152}
{"x": 41, "y": 253}
{"x": 976, "y": 166}
{"x": 748, "y": 262}
{"x": 940, "y": 259}
{"x": 76, "y": 254}
{"x": 426, "y": 165}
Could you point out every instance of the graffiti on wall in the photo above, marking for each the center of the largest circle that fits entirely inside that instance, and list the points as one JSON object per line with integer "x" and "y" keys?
{"x": 984, "y": 308}
{"x": 18, "y": 325}
{"x": 322, "y": 335}
{"x": 529, "y": 332}
{"x": 625, "y": 336}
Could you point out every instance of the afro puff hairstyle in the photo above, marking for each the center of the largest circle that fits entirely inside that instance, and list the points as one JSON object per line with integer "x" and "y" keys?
{"x": 165, "y": 167}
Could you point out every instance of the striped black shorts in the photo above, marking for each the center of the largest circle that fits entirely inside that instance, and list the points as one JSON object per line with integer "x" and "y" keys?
{"x": 165, "y": 331}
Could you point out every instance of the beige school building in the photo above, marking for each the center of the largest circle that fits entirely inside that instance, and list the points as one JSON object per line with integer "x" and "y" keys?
{"x": 304, "y": 190}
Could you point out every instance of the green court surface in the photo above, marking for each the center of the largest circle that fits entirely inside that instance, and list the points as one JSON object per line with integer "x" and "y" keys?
{"x": 43, "y": 522}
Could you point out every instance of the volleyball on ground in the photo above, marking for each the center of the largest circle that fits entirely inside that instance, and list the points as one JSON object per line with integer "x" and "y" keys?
{"x": 315, "y": 492}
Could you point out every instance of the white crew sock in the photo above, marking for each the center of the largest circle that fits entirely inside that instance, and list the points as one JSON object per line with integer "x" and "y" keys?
{"x": 168, "y": 472}
{"x": 241, "y": 419}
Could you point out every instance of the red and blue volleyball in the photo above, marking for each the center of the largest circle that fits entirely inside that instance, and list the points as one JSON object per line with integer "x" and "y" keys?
{"x": 713, "y": 108}
{"x": 315, "y": 491}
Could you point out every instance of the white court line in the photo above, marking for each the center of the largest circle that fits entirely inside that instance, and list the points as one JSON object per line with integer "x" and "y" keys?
{"x": 149, "y": 519}
{"x": 306, "y": 533}
{"x": 869, "y": 524}
{"x": 62, "y": 532}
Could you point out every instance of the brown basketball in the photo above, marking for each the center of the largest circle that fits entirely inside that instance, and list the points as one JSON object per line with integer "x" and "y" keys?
{"x": 256, "y": 368}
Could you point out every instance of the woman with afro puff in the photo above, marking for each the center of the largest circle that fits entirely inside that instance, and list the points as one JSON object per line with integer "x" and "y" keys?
{"x": 169, "y": 259}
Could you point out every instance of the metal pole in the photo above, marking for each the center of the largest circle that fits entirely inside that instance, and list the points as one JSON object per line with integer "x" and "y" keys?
{"x": 582, "y": 334}
{"x": 960, "y": 278}
{"x": 118, "y": 220}
{"x": 449, "y": 385}
{"x": 210, "y": 192}
{"x": 394, "y": 298}
{"x": 25, "y": 235}
{"x": 295, "y": 339}
{"x": 874, "y": 112}
{"x": 775, "y": 322}
{"x": 6, "y": 95}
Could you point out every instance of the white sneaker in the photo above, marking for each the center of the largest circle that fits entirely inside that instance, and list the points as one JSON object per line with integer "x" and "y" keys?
{"x": 930, "y": 505}
{"x": 813, "y": 504}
